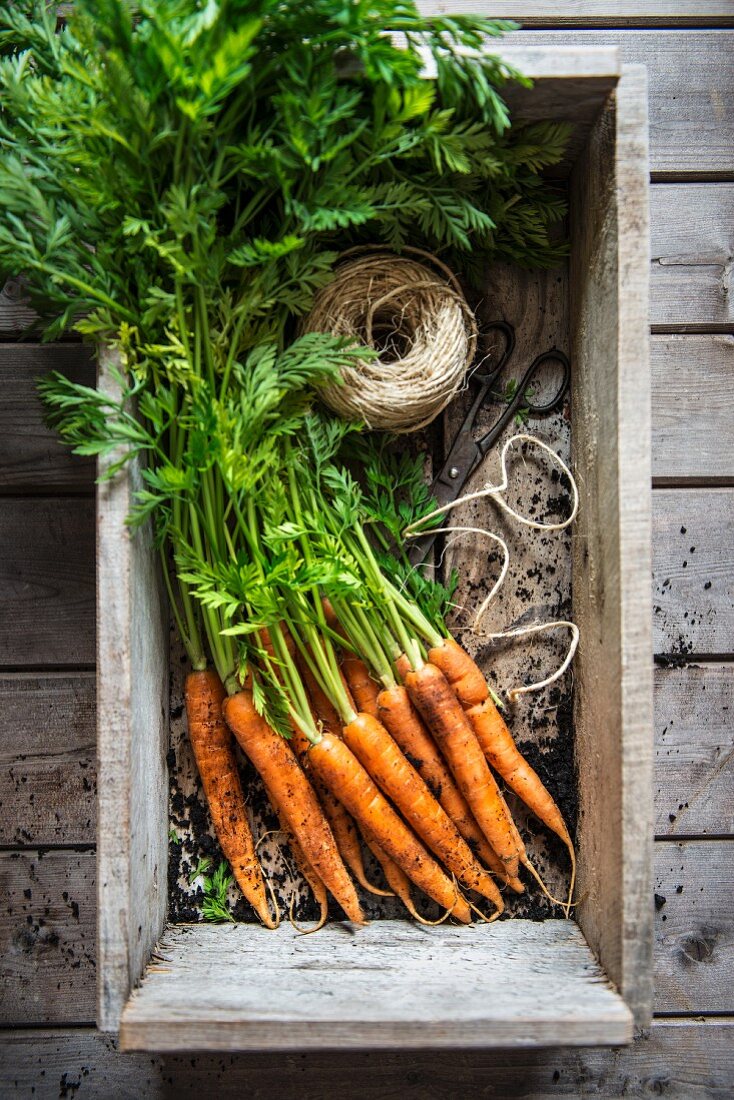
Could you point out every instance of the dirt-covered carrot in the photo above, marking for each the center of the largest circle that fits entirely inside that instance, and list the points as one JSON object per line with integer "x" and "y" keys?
{"x": 377, "y": 751}
{"x": 503, "y": 754}
{"x": 437, "y": 704}
{"x": 213, "y": 749}
{"x": 363, "y": 689}
{"x": 496, "y": 741}
{"x": 342, "y": 826}
{"x": 304, "y": 866}
{"x": 461, "y": 671}
{"x": 346, "y": 837}
{"x": 276, "y": 762}
{"x": 406, "y": 726}
{"x": 396, "y": 879}
{"x": 334, "y": 762}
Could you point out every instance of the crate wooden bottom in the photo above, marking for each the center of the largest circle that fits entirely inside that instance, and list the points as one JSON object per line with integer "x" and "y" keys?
{"x": 391, "y": 984}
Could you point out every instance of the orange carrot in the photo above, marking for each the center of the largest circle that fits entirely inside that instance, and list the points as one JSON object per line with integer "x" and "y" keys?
{"x": 364, "y": 690}
{"x": 470, "y": 687}
{"x": 504, "y": 756}
{"x": 403, "y": 666}
{"x": 461, "y": 671}
{"x": 435, "y": 700}
{"x": 332, "y": 760}
{"x": 375, "y": 749}
{"x": 396, "y": 879}
{"x": 406, "y": 726}
{"x": 215, "y": 759}
{"x": 342, "y": 826}
{"x": 304, "y": 866}
{"x": 267, "y": 642}
{"x": 276, "y": 762}
{"x": 330, "y": 614}
{"x": 346, "y": 837}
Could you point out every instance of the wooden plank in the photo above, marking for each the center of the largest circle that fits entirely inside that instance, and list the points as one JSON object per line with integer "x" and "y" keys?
{"x": 47, "y": 938}
{"x": 32, "y": 459}
{"x": 579, "y": 13}
{"x": 48, "y": 783}
{"x": 690, "y": 74}
{"x": 132, "y": 736}
{"x": 513, "y": 983}
{"x": 692, "y": 408}
{"x": 46, "y": 583}
{"x": 570, "y": 84}
{"x": 681, "y": 1059}
{"x": 693, "y": 575}
{"x": 610, "y": 412}
{"x": 694, "y": 750}
{"x": 692, "y": 247}
{"x": 15, "y": 314}
{"x": 694, "y": 926}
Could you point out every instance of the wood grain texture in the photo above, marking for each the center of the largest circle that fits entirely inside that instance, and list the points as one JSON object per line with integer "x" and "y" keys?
{"x": 693, "y": 575}
{"x": 46, "y": 583}
{"x": 694, "y": 750}
{"x": 610, "y": 412}
{"x": 692, "y": 408}
{"x": 47, "y": 937}
{"x": 679, "y": 1059}
{"x": 32, "y": 459}
{"x": 15, "y": 314}
{"x": 47, "y": 928}
{"x": 132, "y": 736}
{"x": 48, "y": 781}
{"x": 570, "y": 84}
{"x": 691, "y": 254}
{"x": 689, "y": 73}
{"x": 694, "y": 926}
{"x": 612, "y": 13}
{"x": 513, "y": 983}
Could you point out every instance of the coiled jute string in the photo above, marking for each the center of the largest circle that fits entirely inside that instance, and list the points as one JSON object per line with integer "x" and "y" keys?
{"x": 417, "y": 320}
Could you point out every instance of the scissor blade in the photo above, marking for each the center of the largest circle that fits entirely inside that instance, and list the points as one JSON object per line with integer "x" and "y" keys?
{"x": 447, "y": 487}
{"x": 450, "y": 480}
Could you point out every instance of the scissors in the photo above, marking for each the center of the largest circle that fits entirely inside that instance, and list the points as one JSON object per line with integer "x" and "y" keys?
{"x": 467, "y": 452}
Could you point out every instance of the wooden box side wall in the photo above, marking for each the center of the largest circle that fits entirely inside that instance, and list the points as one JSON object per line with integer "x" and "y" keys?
{"x": 132, "y": 737}
{"x": 612, "y": 557}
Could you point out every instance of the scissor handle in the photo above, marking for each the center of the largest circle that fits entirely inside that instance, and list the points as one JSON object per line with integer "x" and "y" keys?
{"x": 508, "y": 332}
{"x": 486, "y": 442}
{"x": 552, "y": 356}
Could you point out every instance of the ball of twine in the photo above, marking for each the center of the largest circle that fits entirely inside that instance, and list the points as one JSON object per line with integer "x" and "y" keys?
{"x": 419, "y": 323}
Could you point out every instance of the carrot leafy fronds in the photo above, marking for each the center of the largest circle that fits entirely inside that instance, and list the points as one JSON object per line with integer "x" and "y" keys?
{"x": 214, "y": 906}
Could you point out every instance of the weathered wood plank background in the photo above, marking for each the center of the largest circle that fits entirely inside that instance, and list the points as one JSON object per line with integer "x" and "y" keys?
{"x": 47, "y": 772}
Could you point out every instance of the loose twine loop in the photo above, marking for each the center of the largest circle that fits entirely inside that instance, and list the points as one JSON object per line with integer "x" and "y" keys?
{"x": 418, "y": 321}
{"x": 496, "y": 494}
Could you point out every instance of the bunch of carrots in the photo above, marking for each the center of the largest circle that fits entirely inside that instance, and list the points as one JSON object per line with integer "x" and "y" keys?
{"x": 433, "y": 816}
{"x": 361, "y": 714}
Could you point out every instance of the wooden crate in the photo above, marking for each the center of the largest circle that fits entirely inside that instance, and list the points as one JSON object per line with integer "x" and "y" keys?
{"x": 514, "y": 983}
